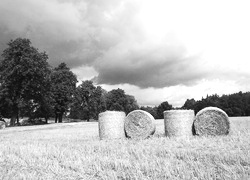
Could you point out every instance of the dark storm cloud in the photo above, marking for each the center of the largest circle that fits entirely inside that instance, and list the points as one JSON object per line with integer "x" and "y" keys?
{"x": 48, "y": 24}
{"x": 155, "y": 67}
{"x": 73, "y": 31}
{"x": 101, "y": 34}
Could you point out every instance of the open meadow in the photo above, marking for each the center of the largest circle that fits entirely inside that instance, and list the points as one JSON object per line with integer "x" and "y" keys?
{"x": 74, "y": 151}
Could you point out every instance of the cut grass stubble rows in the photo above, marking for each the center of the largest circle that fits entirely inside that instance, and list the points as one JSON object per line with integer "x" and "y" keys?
{"x": 74, "y": 151}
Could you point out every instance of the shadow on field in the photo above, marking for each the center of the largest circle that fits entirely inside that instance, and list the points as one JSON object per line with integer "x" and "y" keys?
{"x": 67, "y": 120}
{"x": 40, "y": 122}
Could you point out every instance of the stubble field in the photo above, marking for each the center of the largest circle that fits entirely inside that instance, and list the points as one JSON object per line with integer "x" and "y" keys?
{"x": 74, "y": 151}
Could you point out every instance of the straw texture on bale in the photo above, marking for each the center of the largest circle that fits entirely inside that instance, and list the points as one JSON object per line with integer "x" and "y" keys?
{"x": 111, "y": 125}
{"x": 211, "y": 121}
{"x": 178, "y": 123}
{"x": 2, "y": 124}
{"x": 139, "y": 124}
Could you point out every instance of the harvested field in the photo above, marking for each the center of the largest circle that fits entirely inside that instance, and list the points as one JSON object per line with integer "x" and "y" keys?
{"x": 74, "y": 151}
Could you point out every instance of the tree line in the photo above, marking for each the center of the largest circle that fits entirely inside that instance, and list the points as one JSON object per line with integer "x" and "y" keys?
{"x": 30, "y": 87}
{"x": 237, "y": 104}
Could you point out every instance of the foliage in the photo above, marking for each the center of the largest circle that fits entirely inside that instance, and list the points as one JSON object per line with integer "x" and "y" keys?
{"x": 63, "y": 82}
{"x": 23, "y": 75}
{"x": 45, "y": 107}
{"x": 131, "y": 104}
{"x": 163, "y": 107}
{"x": 237, "y": 104}
{"x": 88, "y": 101}
{"x": 151, "y": 110}
{"x": 5, "y": 103}
{"x": 117, "y": 100}
{"x": 189, "y": 104}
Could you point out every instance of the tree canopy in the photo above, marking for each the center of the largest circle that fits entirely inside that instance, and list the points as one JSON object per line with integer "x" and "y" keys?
{"x": 23, "y": 75}
{"x": 88, "y": 101}
{"x": 117, "y": 100}
{"x": 63, "y": 82}
{"x": 163, "y": 107}
{"x": 237, "y": 104}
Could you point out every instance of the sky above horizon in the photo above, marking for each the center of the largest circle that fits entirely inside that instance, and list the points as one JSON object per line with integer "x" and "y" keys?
{"x": 156, "y": 50}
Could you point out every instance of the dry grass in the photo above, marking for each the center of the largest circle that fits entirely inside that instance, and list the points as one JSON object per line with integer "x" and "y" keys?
{"x": 74, "y": 151}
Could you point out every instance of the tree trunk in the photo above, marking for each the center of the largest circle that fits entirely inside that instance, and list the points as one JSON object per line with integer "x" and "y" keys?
{"x": 46, "y": 119}
{"x": 60, "y": 117}
{"x": 56, "y": 118}
{"x": 17, "y": 116}
{"x": 13, "y": 120}
{"x": 14, "y": 117}
{"x": 88, "y": 115}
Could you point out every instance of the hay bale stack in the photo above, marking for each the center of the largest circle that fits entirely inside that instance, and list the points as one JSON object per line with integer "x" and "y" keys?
{"x": 139, "y": 124}
{"x": 2, "y": 125}
{"x": 211, "y": 121}
{"x": 111, "y": 125}
{"x": 178, "y": 123}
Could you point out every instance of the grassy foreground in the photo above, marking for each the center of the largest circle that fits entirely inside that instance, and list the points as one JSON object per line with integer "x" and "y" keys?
{"x": 74, "y": 151}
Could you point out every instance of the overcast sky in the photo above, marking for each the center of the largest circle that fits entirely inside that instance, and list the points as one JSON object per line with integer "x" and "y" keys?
{"x": 156, "y": 50}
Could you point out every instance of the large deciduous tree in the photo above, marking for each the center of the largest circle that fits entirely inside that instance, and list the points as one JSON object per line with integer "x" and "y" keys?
{"x": 117, "y": 100}
{"x": 63, "y": 88}
{"x": 23, "y": 75}
{"x": 189, "y": 104}
{"x": 88, "y": 101}
{"x": 131, "y": 104}
{"x": 163, "y": 107}
{"x": 151, "y": 110}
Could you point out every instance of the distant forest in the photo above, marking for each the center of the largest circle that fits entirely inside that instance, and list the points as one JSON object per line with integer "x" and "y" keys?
{"x": 237, "y": 104}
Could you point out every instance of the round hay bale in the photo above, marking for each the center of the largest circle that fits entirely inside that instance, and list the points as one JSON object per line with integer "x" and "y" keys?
{"x": 2, "y": 125}
{"x": 178, "y": 123}
{"x": 111, "y": 125}
{"x": 139, "y": 124}
{"x": 211, "y": 121}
